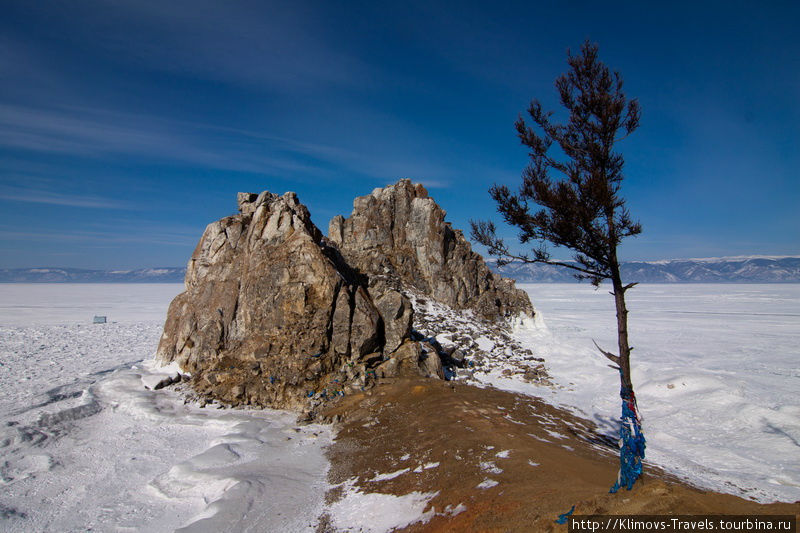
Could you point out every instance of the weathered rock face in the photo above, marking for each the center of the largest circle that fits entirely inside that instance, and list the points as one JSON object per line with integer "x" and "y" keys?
{"x": 271, "y": 313}
{"x": 399, "y": 231}
{"x": 274, "y": 314}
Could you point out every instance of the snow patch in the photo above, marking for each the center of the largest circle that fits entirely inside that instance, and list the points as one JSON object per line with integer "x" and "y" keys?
{"x": 485, "y": 343}
{"x": 373, "y": 512}
{"x": 426, "y": 466}
{"x": 454, "y": 510}
{"x": 390, "y": 475}
{"x": 490, "y": 467}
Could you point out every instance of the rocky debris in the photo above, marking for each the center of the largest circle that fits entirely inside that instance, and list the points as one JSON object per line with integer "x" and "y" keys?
{"x": 156, "y": 381}
{"x": 412, "y": 359}
{"x": 469, "y": 346}
{"x": 400, "y": 232}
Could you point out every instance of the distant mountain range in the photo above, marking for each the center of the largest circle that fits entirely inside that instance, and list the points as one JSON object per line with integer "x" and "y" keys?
{"x": 755, "y": 269}
{"x": 79, "y": 275}
{"x": 751, "y": 269}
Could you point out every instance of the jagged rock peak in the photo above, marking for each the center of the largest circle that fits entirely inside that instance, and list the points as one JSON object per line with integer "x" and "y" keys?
{"x": 400, "y": 232}
{"x": 273, "y": 316}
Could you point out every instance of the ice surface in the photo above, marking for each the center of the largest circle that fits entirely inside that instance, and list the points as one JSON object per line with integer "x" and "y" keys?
{"x": 715, "y": 369}
{"x": 84, "y": 445}
{"x": 87, "y": 443}
{"x": 27, "y": 304}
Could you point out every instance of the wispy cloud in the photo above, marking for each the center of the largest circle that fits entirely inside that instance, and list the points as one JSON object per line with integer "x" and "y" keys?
{"x": 33, "y": 188}
{"x": 434, "y": 184}
{"x": 303, "y": 79}
{"x": 41, "y": 197}
{"x": 265, "y": 45}
{"x": 102, "y": 133}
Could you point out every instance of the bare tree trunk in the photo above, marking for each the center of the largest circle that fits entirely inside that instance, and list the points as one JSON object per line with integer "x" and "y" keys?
{"x": 622, "y": 330}
{"x": 632, "y": 441}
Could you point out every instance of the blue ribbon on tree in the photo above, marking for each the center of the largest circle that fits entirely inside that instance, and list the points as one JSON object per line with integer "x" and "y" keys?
{"x": 631, "y": 442}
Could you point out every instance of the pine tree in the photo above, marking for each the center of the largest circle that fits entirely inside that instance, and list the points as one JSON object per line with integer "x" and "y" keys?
{"x": 570, "y": 197}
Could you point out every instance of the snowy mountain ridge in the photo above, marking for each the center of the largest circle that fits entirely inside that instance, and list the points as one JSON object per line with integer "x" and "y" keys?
{"x": 744, "y": 269}
{"x": 80, "y": 275}
{"x": 737, "y": 269}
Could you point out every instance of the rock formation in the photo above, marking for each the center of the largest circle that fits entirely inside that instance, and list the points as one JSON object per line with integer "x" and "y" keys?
{"x": 399, "y": 231}
{"x": 274, "y": 314}
{"x": 271, "y": 314}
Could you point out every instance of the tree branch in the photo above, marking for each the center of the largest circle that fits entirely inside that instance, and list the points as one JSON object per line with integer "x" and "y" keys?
{"x": 613, "y": 358}
{"x": 558, "y": 263}
{"x": 622, "y": 138}
{"x": 584, "y": 270}
{"x": 484, "y": 233}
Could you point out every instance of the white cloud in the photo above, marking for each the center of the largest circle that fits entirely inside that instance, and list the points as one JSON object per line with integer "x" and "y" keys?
{"x": 46, "y": 197}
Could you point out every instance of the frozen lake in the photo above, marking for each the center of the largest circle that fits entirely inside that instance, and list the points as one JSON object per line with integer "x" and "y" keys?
{"x": 61, "y": 304}
{"x": 716, "y": 369}
{"x": 83, "y": 444}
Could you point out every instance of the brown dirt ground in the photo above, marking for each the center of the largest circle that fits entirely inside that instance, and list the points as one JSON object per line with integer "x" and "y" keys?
{"x": 461, "y": 426}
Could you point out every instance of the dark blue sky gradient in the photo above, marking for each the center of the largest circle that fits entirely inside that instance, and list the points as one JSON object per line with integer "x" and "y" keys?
{"x": 127, "y": 126}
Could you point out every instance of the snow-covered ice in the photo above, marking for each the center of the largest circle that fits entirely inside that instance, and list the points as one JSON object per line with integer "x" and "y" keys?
{"x": 87, "y": 443}
{"x": 716, "y": 369}
{"x": 84, "y": 445}
{"x": 26, "y": 304}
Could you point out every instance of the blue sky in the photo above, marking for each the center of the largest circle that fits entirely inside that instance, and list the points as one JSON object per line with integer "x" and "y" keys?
{"x": 127, "y": 126}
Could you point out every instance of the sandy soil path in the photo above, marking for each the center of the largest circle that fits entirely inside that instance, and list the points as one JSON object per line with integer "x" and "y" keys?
{"x": 499, "y": 461}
